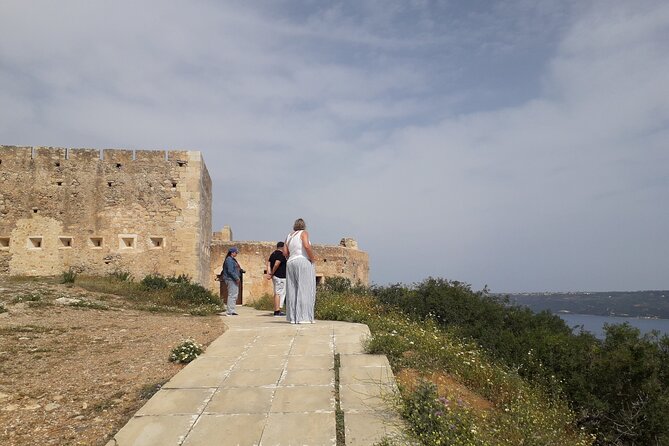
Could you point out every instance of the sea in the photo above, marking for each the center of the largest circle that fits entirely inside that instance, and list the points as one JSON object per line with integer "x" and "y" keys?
{"x": 595, "y": 324}
{"x": 645, "y": 310}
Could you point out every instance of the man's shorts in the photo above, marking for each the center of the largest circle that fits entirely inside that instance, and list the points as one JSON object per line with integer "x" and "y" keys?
{"x": 279, "y": 288}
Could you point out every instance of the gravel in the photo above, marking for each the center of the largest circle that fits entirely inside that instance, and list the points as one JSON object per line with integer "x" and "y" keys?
{"x": 74, "y": 375}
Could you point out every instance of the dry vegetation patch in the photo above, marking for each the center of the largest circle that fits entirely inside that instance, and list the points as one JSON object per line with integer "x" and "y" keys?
{"x": 446, "y": 387}
{"x": 72, "y": 373}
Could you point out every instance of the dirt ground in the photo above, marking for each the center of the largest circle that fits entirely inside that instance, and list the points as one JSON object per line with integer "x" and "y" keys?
{"x": 74, "y": 375}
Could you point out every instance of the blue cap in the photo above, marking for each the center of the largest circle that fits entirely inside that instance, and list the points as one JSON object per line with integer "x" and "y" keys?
{"x": 233, "y": 249}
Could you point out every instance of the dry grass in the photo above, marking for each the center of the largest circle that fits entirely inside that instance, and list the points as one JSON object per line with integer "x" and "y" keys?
{"x": 73, "y": 375}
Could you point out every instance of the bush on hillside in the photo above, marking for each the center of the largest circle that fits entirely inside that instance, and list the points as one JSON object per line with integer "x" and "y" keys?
{"x": 524, "y": 413}
{"x": 620, "y": 387}
{"x": 68, "y": 276}
{"x": 194, "y": 293}
{"x": 337, "y": 284}
{"x": 121, "y": 276}
{"x": 186, "y": 352}
{"x": 154, "y": 282}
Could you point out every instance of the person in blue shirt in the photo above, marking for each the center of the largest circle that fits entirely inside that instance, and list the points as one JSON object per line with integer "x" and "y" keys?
{"x": 232, "y": 276}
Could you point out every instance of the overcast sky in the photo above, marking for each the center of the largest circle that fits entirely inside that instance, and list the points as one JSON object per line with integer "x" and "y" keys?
{"x": 522, "y": 144}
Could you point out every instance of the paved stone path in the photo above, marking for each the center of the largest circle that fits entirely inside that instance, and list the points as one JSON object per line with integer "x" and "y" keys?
{"x": 267, "y": 382}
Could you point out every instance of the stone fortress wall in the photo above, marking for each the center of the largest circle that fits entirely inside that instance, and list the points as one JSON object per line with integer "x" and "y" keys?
{"x": 344, "y": 260}
{"x": 141, "y": 211}
{"x": 93, "y": 211}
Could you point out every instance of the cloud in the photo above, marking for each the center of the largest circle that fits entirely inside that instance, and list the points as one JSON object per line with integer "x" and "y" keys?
{"x": 554, "y": 193}
{"x": 516, "y": 143}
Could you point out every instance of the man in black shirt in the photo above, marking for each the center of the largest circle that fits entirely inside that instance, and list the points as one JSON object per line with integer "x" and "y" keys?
{"x": 276, "y": 270}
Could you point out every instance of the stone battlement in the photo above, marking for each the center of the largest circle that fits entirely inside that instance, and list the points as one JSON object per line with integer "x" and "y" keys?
{"x": 19, "y": 154}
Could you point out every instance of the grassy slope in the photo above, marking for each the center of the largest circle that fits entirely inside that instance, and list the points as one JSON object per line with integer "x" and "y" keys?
{"x": 452, "y": 392}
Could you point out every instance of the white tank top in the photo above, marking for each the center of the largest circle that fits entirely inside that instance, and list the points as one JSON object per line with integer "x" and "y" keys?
{"x": 294, "y": 243}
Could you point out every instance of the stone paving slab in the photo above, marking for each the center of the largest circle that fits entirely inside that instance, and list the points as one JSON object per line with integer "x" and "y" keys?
{"x": 165, "y": 430}
{"x": 364, "y": 361}
{"x": 177, "y": 402}
{"x": 267, "y": 382}
{"x": 323, "y": 362}
{"x": 368, "y": 427}
{"x": 297, "y": 429}
{"x": 366, "y": 375}
{"x": 227, "y": 430}
{"x": 365, "y": 398}
{"x": 241, "y": 400}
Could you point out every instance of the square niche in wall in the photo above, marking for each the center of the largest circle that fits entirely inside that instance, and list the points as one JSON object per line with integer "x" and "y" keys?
{"x": 95, "y": 242}
{"x": 156, "y": 242}
{"x": 65, "y": 241}
{"x": 4, "y": 243}
{"x": 127, "y": 241}
{"x": 34, "y": 242}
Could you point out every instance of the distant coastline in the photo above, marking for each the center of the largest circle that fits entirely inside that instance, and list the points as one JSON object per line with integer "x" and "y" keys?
{"x": 653, "y": 304}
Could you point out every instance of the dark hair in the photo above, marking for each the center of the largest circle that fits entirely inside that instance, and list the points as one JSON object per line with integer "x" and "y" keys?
{"x": 299, "y": 225}
{"x": 280, "y": 244}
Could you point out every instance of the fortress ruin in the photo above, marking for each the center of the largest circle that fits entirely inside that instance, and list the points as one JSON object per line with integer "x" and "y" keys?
{"x": 343, "y": 260}
{"x": 141, "y": 211}
{"x": 98, "y": 212}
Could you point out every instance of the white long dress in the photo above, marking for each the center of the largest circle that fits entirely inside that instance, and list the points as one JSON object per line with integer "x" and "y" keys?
{"x": 300, "y": 282}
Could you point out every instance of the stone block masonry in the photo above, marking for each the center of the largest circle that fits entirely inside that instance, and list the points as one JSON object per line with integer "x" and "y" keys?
{"x": 101, "y": 211}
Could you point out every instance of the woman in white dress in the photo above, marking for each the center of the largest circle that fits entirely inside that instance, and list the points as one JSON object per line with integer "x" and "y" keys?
{"x": 300, "y": 276}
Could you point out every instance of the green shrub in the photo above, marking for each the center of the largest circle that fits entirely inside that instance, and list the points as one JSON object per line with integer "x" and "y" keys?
{"x": 28, "y": 297}
{"x": 121, "y": 276}
{"x": 2, "y": 308}
{"x": 195, "y": 294}
{"x": 619, "y": 387}
{"x": 68, "y": 276}
{"x": 154, "y": 282}
{"x": 181, "y": 278}
{"x": 629, "y": 384}
{"x": 185, "y": 352}
{"x": 337, "y": 284}
{"x": 264, "y": 303}
{"x": 439, "y": 421}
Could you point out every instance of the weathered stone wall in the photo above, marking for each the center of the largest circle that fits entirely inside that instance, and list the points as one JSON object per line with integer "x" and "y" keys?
{"x": 331, "y": 261}
{"x": 99, "y": 212}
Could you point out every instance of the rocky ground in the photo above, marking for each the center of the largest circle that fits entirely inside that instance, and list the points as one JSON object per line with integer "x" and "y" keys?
{"x": 76, "y": 365}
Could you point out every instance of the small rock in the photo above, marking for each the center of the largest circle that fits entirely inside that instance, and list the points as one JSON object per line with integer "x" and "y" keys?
{"x": 23, "y": 338}
{"x": 58, "y": 398}
{"x": 84, "y": 406}
{"x": 10, "y": 408}
{"x": 3, "y": 396}
{"x": 79, "y": 417}
{"x": 34, "y": 406}
{"x": 51, "y": 407}
{"x": 66, "y": 301}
